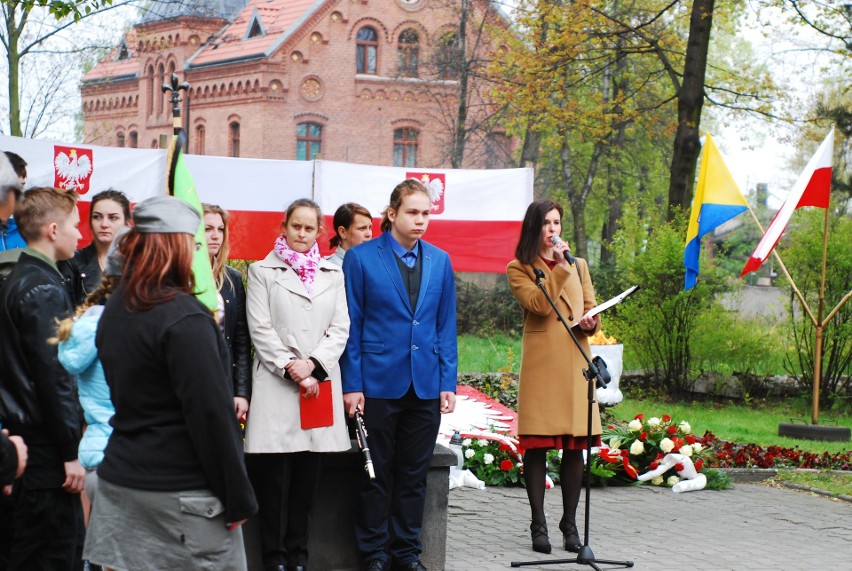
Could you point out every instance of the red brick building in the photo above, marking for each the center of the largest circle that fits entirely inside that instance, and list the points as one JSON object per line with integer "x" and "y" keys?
{"x": 363, "y": 81}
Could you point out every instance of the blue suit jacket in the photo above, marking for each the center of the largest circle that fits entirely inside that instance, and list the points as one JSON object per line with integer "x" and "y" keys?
{"x": 392, "y": 345}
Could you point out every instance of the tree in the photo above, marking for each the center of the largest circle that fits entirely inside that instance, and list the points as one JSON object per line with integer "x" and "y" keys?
{"x": 30, "y": 28}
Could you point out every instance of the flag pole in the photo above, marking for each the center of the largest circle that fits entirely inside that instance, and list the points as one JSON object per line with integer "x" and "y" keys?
{"x": 786, "y": 273}
{"x": 820, "y": 326}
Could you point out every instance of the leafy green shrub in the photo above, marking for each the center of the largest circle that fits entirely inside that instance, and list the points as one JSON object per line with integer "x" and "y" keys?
{"x": 804, "y": 260}
{"x": 483, "y": 311}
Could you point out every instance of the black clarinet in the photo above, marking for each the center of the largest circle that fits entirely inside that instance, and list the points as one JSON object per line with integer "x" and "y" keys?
{"x": 361, "y": 433}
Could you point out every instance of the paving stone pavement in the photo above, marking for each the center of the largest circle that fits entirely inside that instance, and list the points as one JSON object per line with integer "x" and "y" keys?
{"x": 750, "y": 527}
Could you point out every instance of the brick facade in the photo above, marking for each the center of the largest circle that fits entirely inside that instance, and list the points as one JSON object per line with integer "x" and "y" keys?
{"x": 301, "y": 70}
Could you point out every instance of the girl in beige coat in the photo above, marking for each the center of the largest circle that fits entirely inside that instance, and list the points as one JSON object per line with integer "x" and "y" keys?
{"x": 299, "y": 324}
{"x": 552, "y": 399}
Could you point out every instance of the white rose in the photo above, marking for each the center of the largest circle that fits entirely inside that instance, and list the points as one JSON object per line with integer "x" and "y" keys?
{"x": 635, "y": 425}
{"x": 482, "y": 442}
{"x": 467, "y": 442}
{"x": 488, "y": 458}
{"x": 637, "y": 448}
{"x": 666, "y": 445}
{"x": 685, "y": 428}
{"x": 672, "y": 480}
{"x": 654, "y": 421}
{"x": 658, "y": 481}
{"x": 686, "y": 450}
{"x": 615, "y": 443}
{"x": 469, "y": 453}
{"x": 697, "y": 447}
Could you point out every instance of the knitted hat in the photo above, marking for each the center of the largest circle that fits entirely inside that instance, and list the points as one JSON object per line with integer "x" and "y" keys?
{"x": 165, "y": 215}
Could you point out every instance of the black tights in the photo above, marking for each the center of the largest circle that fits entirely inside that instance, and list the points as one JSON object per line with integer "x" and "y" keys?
{"x": 570, "y": 474}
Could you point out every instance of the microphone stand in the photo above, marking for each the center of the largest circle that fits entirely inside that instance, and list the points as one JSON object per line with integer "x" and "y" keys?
{"x": 593, "y": 378}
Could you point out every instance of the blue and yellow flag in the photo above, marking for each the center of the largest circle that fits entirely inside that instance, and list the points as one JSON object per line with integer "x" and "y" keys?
{"x": 179, "y": 183}
{"x": 717, "y": 200}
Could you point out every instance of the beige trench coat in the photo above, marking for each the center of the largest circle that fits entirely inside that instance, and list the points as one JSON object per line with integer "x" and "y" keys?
{"x": 552, "y": 398}
{"x": 285, "y": 321}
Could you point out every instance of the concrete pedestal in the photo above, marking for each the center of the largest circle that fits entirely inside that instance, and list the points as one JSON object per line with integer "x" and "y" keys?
{"x": 332, "y": 532}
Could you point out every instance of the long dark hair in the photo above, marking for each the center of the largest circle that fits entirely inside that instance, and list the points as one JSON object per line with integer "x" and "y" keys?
{"x": 111, "y": 194}
{"x": 529, "y": 244}
{"x": 345, "y": 216}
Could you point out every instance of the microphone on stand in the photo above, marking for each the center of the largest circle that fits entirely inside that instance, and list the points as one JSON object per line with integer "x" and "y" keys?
{"x": 568, "y": 256}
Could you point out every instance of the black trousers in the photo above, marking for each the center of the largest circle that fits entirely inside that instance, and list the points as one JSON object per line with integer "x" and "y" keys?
{"x": 48, "y": 530}
{"x": 285, "y": 486}
{"x": 402, "y": 435}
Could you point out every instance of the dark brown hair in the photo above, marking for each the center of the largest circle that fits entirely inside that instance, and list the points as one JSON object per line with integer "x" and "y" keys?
{"x": 403, "y": 189}
{"x": 306, "y": 203}
{"x": 529, "y": 243}
{"x": 345, "y": 216}
{"x": 111, "y": 194}
{"x": 157, "y": 267}
{"x": 40, "y": 205}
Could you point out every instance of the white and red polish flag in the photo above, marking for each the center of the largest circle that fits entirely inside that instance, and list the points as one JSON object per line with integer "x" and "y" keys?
{"x": 813, "y": 188}
{"x": 476, "y": 214}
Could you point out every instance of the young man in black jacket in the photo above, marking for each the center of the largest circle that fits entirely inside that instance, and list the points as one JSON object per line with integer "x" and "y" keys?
{"x": 38, "y": 398}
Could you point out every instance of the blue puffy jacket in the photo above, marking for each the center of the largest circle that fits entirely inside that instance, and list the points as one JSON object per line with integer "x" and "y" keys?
{"x": 79, "y": 355}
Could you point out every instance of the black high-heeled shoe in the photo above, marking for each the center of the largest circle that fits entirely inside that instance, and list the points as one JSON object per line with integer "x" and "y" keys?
{"x": 570, "y": 536}
{"x": 540, "y": 541}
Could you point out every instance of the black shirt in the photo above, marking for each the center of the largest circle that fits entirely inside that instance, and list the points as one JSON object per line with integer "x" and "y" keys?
{"x": 174, "y": 426}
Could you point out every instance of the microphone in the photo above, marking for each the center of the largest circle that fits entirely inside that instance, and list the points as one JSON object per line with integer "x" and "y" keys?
{"x": 539, "y": 275}
{"x": 568, "y": 256}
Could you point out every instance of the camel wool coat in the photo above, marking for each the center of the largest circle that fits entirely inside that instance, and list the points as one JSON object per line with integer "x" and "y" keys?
{"x": 552, "y": 397}
{"x": 285, "y": 321}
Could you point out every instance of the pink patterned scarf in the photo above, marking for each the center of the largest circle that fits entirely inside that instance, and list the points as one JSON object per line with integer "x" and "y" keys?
{"x": 304, "y": 263}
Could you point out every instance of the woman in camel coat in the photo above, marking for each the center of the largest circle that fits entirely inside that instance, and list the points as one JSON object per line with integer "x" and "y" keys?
{"x": 299, "y": 323}
{"x": 552, "y": 399}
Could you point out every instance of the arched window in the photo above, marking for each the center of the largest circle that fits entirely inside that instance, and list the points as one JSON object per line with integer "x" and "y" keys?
{"x": 366, "y": 50}
{"x": 405, "y": 147}
{"x": 161, "y": 74}
{"x": 119, "y": 140}
{"x": 407, "y": 53}
{"x": 448, "y": 56}
{"x": 199, "y": 140}
{"x": 234, "y": 139}
{"x": 149, "y": 95}
{"x": 134, "y": 139}
{"x": 308, "y": 141}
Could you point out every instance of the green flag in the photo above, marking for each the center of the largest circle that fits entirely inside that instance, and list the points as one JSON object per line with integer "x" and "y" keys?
{"x": 179, "y": 183}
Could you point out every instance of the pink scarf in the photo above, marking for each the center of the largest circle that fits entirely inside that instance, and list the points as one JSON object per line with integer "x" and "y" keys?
{"x": 305, "y": 264}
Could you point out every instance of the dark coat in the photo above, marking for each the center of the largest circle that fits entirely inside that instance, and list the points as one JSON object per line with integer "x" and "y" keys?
{"x": 38, "y": 398}
{"x": 82, "y": 273}
{"x": 236, "y": 331}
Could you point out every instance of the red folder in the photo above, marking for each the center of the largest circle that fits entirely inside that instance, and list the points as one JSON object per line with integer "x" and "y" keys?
{"x": 318, "y": 411}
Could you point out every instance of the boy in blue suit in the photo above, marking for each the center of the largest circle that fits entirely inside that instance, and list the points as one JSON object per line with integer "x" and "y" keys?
{"x": 399, "y": 367}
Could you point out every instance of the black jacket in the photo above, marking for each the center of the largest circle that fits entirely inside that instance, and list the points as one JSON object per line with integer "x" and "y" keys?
{"x": 82, "y": 273}
{"x": 174, "y": 427}
{"x": 236, "y": 331}
{"x": 38, "y": 398}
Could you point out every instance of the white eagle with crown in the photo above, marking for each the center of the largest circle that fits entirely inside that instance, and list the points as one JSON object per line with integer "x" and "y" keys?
{"x": 72, "y": 168}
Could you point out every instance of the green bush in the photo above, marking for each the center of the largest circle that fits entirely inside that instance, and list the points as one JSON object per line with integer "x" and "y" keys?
{"x": 482, "y": 311}
{"x": 661, "y": 319}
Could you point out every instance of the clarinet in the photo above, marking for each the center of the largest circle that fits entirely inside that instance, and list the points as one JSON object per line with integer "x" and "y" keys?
{"x": 361, "y": 433}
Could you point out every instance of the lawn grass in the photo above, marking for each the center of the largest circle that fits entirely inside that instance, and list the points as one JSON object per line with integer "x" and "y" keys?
{"x": 838, "y": 484}
{"x": 735, "y": 422}
{"x": 498, "y": 353}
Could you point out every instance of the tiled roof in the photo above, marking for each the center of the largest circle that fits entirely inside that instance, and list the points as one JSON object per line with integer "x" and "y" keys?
{"x": 167, "y": 9}
{"x": 278, "y": 18}
{"x": 110, "y": 68}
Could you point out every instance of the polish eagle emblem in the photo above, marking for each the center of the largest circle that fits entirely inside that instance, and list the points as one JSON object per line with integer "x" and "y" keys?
{"x": 435, "y": 183}
{"x": 72, "y": 168}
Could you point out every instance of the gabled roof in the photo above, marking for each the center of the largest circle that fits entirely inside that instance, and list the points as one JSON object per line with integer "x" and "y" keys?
{"x": 279, "y": 20}
{"x": 168, "y": 9}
